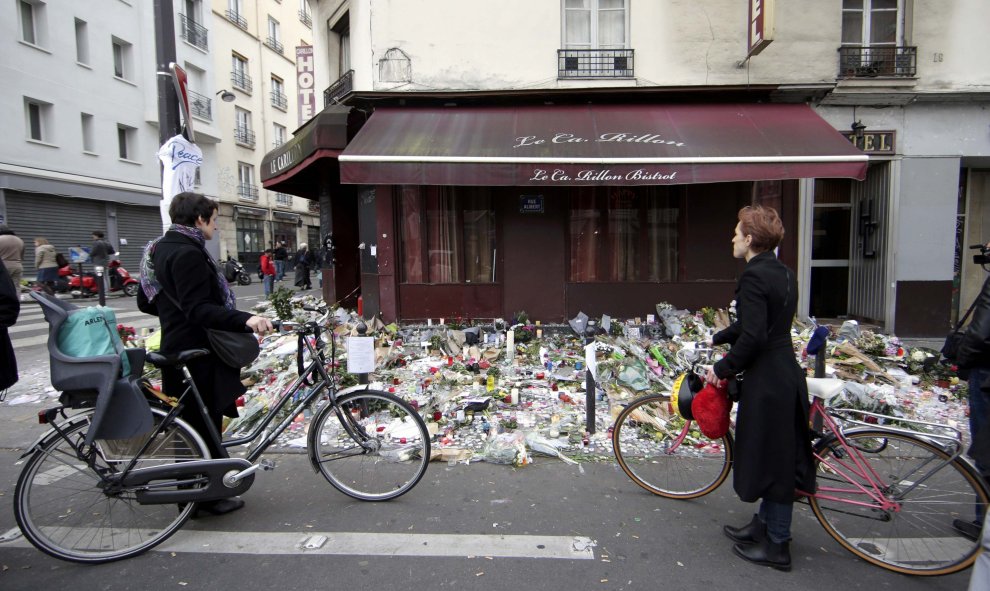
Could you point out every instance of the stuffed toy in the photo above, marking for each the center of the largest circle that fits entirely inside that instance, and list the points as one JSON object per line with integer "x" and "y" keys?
{"x": 710, "y": 408}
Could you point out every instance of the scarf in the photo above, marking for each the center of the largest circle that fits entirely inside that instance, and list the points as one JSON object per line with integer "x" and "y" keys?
{"x": 150, "y": 284}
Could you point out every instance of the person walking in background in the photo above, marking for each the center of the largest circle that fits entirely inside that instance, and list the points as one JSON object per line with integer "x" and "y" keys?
{"x": 99, "y": 255}
{"x": 12, "y": 254}
{"x": 281, "y": 255}
{"x": 10, "y": 308}
{"x": 303, "y": 261}
{"x": 46, "y": 262}
{"x": 268, "y": 272}
{"x": 773, "y": 446}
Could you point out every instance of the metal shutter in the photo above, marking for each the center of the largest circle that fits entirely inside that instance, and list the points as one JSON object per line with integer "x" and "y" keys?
{"x": 63, "y": 221}
{"x": 138, "y": 225}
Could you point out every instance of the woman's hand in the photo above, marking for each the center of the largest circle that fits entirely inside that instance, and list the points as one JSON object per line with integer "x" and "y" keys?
{"x": 259, "y": 324}
{"x": 713, "y": 379}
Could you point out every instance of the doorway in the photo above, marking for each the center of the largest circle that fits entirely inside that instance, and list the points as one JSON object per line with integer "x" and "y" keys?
{"x": 830, "y": 248}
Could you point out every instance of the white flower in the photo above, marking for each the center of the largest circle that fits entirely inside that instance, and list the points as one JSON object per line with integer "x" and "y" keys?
{"x": 917, "y": 355}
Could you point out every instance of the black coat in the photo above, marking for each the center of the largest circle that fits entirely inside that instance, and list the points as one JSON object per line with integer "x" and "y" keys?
{"x": 10, "y": 308}
{"x": 186, "y": 273}
{"x": 773, "y": 447}
{"x": 974, "y": 353}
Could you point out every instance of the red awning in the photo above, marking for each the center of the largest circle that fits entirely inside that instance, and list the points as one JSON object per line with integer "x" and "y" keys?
{"x": 561, "y": 145}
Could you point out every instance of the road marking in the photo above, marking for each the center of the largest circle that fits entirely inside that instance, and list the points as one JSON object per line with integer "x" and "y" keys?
{"x": 21, "y": 326}
{"x": 369, "y": 544}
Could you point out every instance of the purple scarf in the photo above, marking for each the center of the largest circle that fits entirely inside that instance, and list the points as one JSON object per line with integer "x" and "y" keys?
{"x": 151, "y": 286}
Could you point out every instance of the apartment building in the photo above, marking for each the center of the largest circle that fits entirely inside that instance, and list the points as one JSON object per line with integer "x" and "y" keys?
{"x": 590, "y": 155}
{"x": 254, "y": 52}
{"x": 81, "y": 121}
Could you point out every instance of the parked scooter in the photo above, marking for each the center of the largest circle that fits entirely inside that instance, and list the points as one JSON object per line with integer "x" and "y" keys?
{"x": 120, "y": 280}
{"x": 234, "y": 271}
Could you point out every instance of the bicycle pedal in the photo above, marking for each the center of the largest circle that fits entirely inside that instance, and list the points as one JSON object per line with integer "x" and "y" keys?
{"x": 267, "y": 465}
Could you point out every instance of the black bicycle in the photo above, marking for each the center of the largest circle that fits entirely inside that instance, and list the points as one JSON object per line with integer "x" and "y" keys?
{"x": 87, "y": 498}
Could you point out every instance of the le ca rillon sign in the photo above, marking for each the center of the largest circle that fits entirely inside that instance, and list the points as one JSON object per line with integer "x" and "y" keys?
{"x": 873, "y": 142}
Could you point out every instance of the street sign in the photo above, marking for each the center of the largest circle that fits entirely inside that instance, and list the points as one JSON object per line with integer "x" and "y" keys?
{"x": 78, "y": 254}
{"x": 180, "y": 80}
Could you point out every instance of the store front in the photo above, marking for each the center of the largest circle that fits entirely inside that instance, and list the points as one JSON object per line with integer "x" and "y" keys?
{"x": 489, "y": 211}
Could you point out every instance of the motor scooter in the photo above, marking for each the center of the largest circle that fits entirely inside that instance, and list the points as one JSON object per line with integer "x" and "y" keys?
{"x": 85, "y": 286}
{"x": 234, "y": 271}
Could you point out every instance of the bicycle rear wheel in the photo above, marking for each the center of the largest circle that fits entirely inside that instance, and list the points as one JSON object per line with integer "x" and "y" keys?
{"x": 371, "y": 445}
{"x": 644, "y": 442}
{"x": 62, "y": 506}
{"x": 917, "y": 537}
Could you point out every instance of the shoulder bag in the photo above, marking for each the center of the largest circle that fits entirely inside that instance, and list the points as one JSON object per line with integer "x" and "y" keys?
{"x": 236, "y": 349}
{"x": 950, "y": 349}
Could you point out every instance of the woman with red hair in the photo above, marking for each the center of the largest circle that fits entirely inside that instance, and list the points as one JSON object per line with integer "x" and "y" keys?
{"x": 773, "y": 448}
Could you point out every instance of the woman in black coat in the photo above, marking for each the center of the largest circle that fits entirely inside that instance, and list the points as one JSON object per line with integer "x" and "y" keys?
{"x": 185, "y": 288}
{"x": 773, "y": 447}
{"x": 303, "y": 262}
{"x": 10, "y": 307}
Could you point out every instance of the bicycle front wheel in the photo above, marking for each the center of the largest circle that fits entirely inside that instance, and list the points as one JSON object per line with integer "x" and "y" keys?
{"x": 64, "y": 508}
{"x": 917, "y": 534}
{"x": 644, "y": 439}
{"x": 371, "y": 445}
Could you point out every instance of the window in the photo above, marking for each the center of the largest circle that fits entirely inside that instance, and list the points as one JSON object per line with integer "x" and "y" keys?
{"x": 245, "y": 182}
{"x": 37, "y": 120}
{"x": 279, "y": 133}
{"x": 242, "y": 118}
{"x": 274, "y": 37}
{"x": 278, "y": 94}
{"x": 88, "y": 144}
{"x": 239, "y": 73}
{"x": 32, "y": 13}
{"x": 250, "y": 238}
{"x": 126, "y": 148}
{"x": 82, "y": 42}
{"x": 870, "y": 22}
{"x": 447, "y": 235}
{"x": 304, "y": 16}
{"x": 121, "y": 59}
{"x": 595, "y": 24}
{"x": 624, "y": 234}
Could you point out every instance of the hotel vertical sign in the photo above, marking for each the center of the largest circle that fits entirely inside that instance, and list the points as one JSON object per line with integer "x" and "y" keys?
{"x": 305, "y": 83}
{"x": 761, "y": 24}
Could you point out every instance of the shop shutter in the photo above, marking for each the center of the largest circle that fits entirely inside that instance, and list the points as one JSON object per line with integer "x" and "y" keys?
{"x": 63, "y": 221}
{"x": 138, "y": 225}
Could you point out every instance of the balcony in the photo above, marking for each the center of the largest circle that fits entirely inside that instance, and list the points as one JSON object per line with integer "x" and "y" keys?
{"x": 247, "y": 192}
{"x": 595, "y": 63}
{"x": 275, "y": 45}
{"x": 200, "y": 106}
{"x": 277, "y": 142}
{"x": 241, "y": 81}
{"x": 236, "y": 18}
{"x": 279, "y": 100}
{"x": 857, "y": 61}
{"x": 305, "y": 18}
{"x": 339, "y": 89}
{"x": 283, "y": 199}
{"x": 244, "y": 137}
{"x": 193, "y": 32}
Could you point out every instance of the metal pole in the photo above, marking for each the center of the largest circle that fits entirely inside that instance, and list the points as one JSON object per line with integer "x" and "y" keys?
{"x": 589, "y": 386}
{"x": 168, "y": 102}
{"x": 362, "y": 330}
{"x": 100, "y": 288}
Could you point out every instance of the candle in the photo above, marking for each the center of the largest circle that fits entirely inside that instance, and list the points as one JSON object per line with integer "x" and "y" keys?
{"x": 539, "y": 333}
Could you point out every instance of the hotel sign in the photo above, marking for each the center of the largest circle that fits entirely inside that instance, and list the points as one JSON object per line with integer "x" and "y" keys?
{"x": 304, "y": 83}
{"x": 874, "y": 142}
{"x": 761, "y": 25}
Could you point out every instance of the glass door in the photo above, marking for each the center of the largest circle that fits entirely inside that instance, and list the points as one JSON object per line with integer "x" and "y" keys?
{"x": 830, "y": 248}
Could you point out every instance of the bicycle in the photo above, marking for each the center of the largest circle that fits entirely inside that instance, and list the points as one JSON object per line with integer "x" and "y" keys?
{"x": 886, "y": 492}
{"x": 83, "y": 498}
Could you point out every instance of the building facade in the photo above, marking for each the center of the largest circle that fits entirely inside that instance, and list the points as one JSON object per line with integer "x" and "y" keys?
{"x": 418, "y": 110}
{"x": 255, "y": 55}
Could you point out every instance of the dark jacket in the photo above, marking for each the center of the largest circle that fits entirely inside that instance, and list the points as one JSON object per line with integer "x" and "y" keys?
{"x": 974, "y": 353}
{"x": 186, "y": 273}
{"x": 10, "y": 307}
{"x": 773, "y": 447}
{"x": 280, "y": 254}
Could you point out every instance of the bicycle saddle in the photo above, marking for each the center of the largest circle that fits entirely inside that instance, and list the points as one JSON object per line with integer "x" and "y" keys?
{"x": 159, "y": 360}
{"x": 825, "y": 388}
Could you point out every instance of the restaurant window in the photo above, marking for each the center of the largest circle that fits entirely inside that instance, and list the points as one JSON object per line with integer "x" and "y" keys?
{"x": 250, "y": 237}
{"x": 447, "y": 235}
{"x": 624, "y": 234}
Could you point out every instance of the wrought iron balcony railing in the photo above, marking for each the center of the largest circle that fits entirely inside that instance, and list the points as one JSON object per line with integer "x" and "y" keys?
{"x": 193, "y": 32}
{"x": 595, "y": 63}
{"x": 283, "y": 199}
{"x": 247, "y": 191}
{"x": 858, "y": 61}
{"x": 201, "y": 106}
{"x": 236, "y": 18}
{"x": 277, "y": 142}
{"x": 241, "y": 81}
{"x": 279, "y": 100}
{"x": 244, "y": 136}
{"x": 305, "y": 18}
{"x": 339, "y": 89}
{"x": 275, "y": 44}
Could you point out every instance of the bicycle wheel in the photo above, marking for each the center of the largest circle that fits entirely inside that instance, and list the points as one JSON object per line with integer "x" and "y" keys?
{"x": 371, "y": 445}
{"x": 62, "y": 507}
{"x": 915, "y": 536}
{"x": 644, "y": 440}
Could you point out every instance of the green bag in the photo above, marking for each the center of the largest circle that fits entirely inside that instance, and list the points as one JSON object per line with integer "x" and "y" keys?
{"x": 92, "y": 332}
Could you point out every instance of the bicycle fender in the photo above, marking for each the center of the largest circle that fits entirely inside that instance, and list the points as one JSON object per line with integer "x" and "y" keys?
{"x": 50, "y": 434}
{"x": 356, "y": 388}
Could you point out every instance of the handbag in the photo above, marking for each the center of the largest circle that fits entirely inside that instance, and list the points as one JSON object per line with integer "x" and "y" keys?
{"x": 236, "y": 349}
{"x": 950, "y": 348}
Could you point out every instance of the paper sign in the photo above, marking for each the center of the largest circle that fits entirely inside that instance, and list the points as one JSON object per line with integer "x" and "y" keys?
{"x": 590, "y": 360}
{"x": 607, "y": 323}
{"x": 360, "y": 354}
{"x": 650, "y": 319}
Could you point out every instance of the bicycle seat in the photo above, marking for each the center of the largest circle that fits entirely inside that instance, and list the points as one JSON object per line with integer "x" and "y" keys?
{"x": 825, "y": 388}
{"x": 159, "y": 360}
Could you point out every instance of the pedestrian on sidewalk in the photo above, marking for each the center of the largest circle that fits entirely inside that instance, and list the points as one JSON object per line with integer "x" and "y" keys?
{"x": 268, "y": 272}
{"x": 99, "y": 255}
{"x": 773, "y": 446}
{"x": 12, "y": 254}
{"x": 303, "y": 261}
{"x": 10, "y": 308}
{"x": 46, "y": 262}
{"x": 281, "y": 255}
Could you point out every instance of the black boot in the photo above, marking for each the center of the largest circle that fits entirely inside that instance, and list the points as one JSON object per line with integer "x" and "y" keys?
{"x": 751, "y": 533}
{"x": 766, "y": 553}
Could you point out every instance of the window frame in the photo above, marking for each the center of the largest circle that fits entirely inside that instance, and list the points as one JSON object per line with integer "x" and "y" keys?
{"x": 280, "y": 133}
{"x": 866, "y": 15}
{"x": 43, "y": 110}
{"x": 35, "y": 10}
{"x": 126, "y": 62}
{"x": 82, "y": 42}
{"x": 126, "y": 140}
{"x": 87, "y": 123}
{"x": 593, "y": 29}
